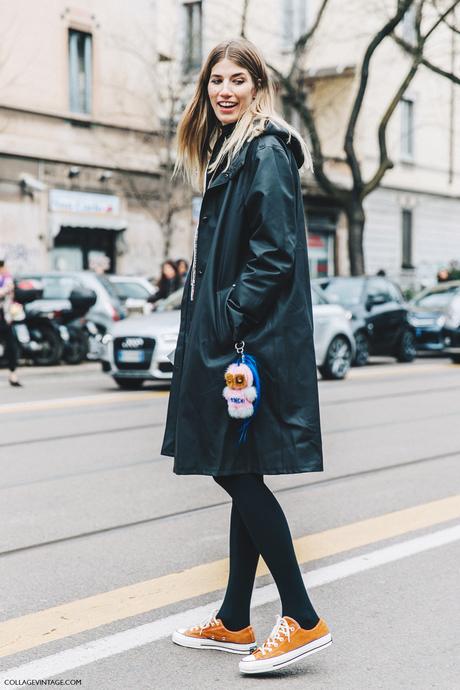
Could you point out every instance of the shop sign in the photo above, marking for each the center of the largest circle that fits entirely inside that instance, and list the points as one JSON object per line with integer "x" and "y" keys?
{"x": 65, "y": 201}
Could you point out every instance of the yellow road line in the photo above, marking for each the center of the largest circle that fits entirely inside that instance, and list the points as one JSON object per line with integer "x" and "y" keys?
{"x": 86, "y": 401}
{"x": 32, "y": 630}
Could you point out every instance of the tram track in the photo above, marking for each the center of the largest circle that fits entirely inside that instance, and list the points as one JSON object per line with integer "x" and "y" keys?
{"x": 305, "y": 486}
{"x": 324, "y": 405}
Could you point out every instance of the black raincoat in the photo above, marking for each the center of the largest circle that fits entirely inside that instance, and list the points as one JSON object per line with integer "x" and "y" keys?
{"x": 251, "y": 283}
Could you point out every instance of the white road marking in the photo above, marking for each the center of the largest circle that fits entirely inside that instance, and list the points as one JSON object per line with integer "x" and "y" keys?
{"x": 111, "y": 645}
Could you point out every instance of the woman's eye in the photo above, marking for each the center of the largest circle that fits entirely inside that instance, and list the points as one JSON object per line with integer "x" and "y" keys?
{"x": 239, "y": 82}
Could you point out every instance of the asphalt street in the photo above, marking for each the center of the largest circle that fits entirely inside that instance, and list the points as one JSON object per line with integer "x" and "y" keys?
{"x": 104, "y": 551}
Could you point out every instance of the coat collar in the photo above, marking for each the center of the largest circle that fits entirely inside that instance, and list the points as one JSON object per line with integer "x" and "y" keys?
{"x": 235, "y": 166}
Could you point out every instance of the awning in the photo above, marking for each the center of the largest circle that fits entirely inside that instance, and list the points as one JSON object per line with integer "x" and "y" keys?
{"x": 84, "y": 220}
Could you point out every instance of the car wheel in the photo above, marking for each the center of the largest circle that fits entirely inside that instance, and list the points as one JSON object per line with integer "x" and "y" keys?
{"x": 338, "y": 359}
{"x": 362, "y": 349}
{"x": 406, "y": 351}
{"x": 129, "y": 384}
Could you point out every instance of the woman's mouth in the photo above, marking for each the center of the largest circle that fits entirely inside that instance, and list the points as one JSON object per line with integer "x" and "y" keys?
{"x": 226, "y": 105}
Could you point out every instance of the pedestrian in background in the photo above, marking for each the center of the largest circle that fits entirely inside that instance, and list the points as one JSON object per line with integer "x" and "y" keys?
{"x": 7, "y": 333}
{"x": 167, "y": 283}
{"x": 249, "y": 281}
{"x": 182, "y": 270}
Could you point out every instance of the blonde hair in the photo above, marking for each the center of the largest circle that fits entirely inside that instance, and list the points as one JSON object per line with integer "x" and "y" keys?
{"x": 199, "y": 127}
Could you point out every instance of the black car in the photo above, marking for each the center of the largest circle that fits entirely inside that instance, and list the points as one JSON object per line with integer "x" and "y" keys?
{"x": 435, "y": 316}
{"x": 379, "y": 316}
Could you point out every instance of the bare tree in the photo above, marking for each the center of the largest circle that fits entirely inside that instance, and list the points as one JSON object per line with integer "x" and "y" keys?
{"x": 156, "y": 194}
{"x": 293, "y": 83}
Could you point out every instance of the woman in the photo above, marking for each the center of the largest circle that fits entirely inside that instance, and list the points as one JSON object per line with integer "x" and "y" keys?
{"x": 167, "y": 283}
{"x": 6, "y": 329}
{"x": 182, "y": 270}
{"x": 248, "y": 282}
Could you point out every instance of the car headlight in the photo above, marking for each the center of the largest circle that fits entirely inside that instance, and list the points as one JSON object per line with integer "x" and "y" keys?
{"x": 452, "y": 320}
{"x": 348, "y": 315}
{"x": 440, "y": 321}
{"x": 106, "y": 339}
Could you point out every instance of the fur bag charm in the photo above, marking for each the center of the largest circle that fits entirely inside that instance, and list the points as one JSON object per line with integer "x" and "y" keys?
{"x": 242, "y": 390}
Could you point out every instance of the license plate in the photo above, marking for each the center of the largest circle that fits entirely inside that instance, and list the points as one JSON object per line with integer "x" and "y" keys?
{"x": 131, "y": 356}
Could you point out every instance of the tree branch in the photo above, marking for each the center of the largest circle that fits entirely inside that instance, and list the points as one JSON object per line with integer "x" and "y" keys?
{"x": 385, "y": 162}
{"x": 297, "y": 99}
{"x": 244, "y": 16}
{"x": 349, "y": 148}
{"x": 440, "y": 19}
{"x": 302, "y": 41}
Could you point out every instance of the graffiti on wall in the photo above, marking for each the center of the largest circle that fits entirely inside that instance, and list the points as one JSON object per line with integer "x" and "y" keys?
{"x": 19, "y": 257}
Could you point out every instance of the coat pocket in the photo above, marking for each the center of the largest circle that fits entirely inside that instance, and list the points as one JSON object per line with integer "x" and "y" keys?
{"x": 224, "y": 329}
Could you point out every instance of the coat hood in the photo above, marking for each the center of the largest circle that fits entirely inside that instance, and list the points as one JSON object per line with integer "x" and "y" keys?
{"x": 294, "y": 144}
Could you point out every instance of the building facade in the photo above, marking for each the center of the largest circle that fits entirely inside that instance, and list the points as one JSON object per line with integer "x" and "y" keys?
{"x": 89, "y": 104}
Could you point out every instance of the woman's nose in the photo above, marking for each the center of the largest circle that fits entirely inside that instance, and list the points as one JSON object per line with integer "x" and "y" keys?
{"x": 225, "y": 90}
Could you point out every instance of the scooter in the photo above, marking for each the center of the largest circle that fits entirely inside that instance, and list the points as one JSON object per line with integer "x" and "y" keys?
{"x": 78, "y": 345}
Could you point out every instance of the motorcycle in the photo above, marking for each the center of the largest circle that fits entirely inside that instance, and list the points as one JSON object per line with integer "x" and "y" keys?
{"x": 79, "y": 329}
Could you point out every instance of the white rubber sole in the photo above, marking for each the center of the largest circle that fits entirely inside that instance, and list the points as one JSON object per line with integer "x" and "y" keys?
{"x": 277, "y": 662}
{"x": 194, "y": 643}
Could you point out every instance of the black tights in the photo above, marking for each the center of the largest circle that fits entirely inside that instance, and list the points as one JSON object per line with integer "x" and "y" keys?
{"x": 259, "y": 526}
{"x": 8, "y": 338}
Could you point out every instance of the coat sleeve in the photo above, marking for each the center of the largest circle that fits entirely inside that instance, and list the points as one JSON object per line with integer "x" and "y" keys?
{"x": 272, "y": 229}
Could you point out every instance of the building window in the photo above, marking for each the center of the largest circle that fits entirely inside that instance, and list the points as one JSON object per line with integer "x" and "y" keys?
{"x": 193, "y": 36}
{"x": 406, "y": 239}
{"x": 80, "y": 71}
{"x": 407, "y": 129}
{"x": 294, "y": 21}
{"x": 409, "y": 32}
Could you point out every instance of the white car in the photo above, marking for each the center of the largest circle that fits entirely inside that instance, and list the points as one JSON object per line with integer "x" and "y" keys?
{"x": 137, "y": 349}
{"x": 133, "y": 292}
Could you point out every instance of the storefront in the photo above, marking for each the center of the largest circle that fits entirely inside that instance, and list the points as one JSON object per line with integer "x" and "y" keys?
{"x": 321, "y": 235}
{"x": 84, "y": 230}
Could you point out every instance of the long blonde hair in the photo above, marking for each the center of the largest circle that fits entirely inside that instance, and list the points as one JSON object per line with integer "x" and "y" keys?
{"x": 199, "y": 127}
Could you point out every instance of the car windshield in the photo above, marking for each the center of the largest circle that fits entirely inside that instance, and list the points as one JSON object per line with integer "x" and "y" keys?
{"x": 107, "y": 284}
{"x": 130, "y": 289}
{"x": 57, "y": 287}
{"x": 344, "y": 291}
{"x": 436, "y": 299}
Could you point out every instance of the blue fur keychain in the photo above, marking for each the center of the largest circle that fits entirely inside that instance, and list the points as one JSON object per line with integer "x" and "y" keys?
{"x": 242, "y": 390}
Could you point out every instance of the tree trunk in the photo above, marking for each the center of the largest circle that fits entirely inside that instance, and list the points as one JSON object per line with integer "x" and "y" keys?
{"x": 356, "y": 219}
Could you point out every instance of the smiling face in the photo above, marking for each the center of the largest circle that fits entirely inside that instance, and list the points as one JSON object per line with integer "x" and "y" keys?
{"x": 230, "y": 90}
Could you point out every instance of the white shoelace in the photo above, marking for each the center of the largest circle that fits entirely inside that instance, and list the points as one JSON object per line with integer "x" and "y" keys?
{"x": 281, "y": 631}
{"x": 208, "y": 622}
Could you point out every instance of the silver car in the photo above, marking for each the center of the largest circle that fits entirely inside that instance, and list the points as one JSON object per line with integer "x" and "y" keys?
{"x": 137, "y": 349}
{"x": 133, "y": 292}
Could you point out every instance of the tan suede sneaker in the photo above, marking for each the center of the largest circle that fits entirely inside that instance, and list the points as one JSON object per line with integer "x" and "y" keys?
{"x": 287, "y": 643}
{"x": 212, "y": 634}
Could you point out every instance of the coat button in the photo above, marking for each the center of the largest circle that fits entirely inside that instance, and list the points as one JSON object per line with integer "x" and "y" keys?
{"x": 204, "y": 219}
{"x": 200, "y": 271}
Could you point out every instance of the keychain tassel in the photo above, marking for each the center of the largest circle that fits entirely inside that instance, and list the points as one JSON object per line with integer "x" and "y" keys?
{"x": 242, "y": 390}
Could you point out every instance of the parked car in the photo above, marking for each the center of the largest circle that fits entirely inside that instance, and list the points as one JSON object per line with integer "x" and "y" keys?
{"x": 435, "y": 316}
{"x": 380, "y": 316}
{"x": 133, "y": 292}
{"x": 106, "y": 310}
{"x": 137, "y": 349}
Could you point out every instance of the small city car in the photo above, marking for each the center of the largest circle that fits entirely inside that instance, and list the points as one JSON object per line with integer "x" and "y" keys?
{"x": 137, "y": 349}
{"x": 435, "y": 317}
{"x": 379, "y": 316}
